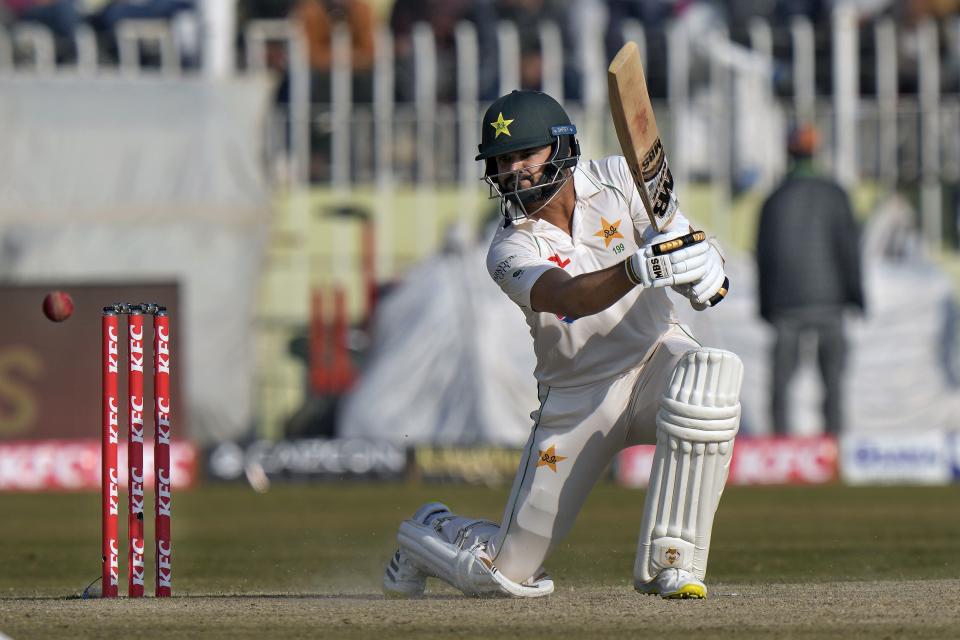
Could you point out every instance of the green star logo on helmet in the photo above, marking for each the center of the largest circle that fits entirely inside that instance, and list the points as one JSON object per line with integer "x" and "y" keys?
{"x": 501, "y": 126}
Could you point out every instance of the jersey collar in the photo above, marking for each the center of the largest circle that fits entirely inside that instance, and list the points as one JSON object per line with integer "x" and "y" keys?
{"x": 585, "y": 183}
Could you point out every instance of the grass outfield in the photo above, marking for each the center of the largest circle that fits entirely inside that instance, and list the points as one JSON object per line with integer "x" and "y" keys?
{"x": 305, "y": 561}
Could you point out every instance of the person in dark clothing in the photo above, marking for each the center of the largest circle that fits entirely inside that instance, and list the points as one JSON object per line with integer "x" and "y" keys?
{"x": 808, "y": 260}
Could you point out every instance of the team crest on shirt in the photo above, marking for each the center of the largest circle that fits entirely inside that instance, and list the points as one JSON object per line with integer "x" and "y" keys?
{"x": 549, "y": 458}
{"x": 609, "y": 231}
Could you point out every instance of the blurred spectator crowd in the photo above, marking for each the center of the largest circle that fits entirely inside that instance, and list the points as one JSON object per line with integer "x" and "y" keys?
{"x": 63, "y": 18}
{"x": 364, "y": 17}
{"x": 571, "y": 17}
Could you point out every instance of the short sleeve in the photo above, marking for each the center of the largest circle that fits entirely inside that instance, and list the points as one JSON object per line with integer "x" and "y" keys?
{"x": 620, "y": 174}
{"x": 515, "y": 267}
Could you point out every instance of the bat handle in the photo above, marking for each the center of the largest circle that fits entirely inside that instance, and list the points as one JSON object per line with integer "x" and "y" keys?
{"x": 675, "y": 244}
{"x": 721, "y": 294}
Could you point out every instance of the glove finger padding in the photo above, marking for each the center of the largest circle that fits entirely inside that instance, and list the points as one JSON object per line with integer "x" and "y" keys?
{"x": 690, "y": 273}
{"x": 711, "y": 287}
{"x": 706, "y": 287}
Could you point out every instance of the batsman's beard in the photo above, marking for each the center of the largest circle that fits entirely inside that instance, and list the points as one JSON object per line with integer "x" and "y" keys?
{"x": 515, "y": 204}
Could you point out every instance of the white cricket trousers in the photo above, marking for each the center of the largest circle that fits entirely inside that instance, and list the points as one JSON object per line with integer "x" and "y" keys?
{"x": 576, "y": 434}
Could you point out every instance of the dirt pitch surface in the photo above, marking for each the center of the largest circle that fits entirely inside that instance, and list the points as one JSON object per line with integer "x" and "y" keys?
{"x": 929, "y": 609}
{"x": 306, "y": 561}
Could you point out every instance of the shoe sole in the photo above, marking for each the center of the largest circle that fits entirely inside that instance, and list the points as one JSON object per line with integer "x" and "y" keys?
{"x": 687, "y": 592}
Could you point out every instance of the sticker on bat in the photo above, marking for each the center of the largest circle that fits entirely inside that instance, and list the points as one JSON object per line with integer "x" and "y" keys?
{"x": 658, "y": 181}
{"x": 653, "y": 161}
{"x": 662, "y": 197}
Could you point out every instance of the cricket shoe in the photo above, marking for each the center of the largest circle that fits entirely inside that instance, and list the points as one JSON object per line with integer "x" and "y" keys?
{"x": 674, "y": 584}
{"x": 402, "y": 578}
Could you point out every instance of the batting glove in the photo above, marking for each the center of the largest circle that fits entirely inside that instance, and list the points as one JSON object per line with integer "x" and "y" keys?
{"x": 711, "y": 287}
{"x": 669, "y": 260}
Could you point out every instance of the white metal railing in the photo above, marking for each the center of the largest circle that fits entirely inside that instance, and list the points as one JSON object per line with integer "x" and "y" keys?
{"x": 846, "y": 78}
{"x": 428, "y": 142}
{"x": 678, "y": 99}
{"x": 6, "y": 52}
{"x": 804, "y": 69}
{"x": 257, "y": 35}
{"x": 551, "y": 55}
{"x": 38, "y": 41}
{"x": 341, "y": 96}
{"x": 885, "y": 39}
{"x": 383, "y": 106}
{"x": 508, "y": 46}
{"x": 133, "y": 35}
{"x": 931, "y": 203}
{"x": 87, "y": 57}
{"x": 844, "y": 115}
{"x": 468, "y": 98}
{"x": 425, "y": 99}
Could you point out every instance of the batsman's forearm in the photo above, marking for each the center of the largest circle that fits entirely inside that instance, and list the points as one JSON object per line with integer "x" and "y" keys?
{"x": 590, "y": 293}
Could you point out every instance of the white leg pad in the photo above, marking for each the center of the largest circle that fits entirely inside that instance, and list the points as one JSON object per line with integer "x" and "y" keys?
{"x": 464, "y": 563}
{"x": 698, "y": 419}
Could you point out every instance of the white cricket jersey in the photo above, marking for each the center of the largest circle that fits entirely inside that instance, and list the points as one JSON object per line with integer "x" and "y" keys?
{"x": 608, "y": 223}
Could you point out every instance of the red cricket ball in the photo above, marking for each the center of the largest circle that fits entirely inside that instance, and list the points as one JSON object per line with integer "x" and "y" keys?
{"x": 57, "y": 306}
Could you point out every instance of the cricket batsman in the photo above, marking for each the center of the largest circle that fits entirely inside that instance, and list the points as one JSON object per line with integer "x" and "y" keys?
{"x": 577, "y": 254}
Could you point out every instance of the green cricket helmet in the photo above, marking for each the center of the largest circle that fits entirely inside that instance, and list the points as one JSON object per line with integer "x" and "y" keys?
{"x": 527, "y": 120}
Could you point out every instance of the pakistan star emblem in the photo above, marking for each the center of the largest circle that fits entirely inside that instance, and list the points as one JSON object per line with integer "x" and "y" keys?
{"x": 500, "y": 126}
{"x": 549, "y": 458}
{"x": 608, "y": 231}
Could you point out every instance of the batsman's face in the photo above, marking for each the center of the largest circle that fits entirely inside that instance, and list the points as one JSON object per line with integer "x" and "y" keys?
{"x": 521, "y": 169}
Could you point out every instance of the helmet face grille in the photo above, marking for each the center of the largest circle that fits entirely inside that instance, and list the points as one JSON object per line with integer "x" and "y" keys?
{"x": 514, "y": 201}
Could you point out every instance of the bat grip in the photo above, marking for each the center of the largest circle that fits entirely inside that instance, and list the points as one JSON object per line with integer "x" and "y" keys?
{"x": 675, "y": 244}
{"x": 721, "y": 294}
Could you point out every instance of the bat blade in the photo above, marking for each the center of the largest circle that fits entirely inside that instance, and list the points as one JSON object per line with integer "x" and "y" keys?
{"x": 639, "y": 137}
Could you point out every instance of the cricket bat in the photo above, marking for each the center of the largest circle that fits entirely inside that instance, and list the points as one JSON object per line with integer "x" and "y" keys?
{"x": 639, "y": 137}
{"x": 640, "y": 141}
